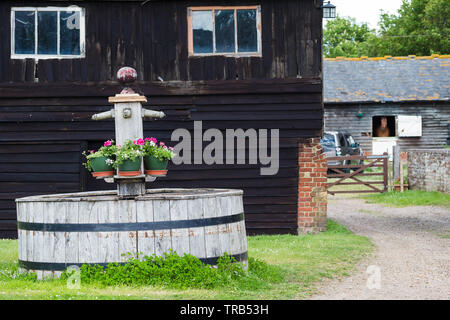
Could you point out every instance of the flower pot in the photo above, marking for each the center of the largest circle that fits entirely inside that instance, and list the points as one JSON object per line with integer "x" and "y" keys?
{"x": 130, "y": 167}
{"x": 154, "y": 166}
{"x": 397, "y": 187}
{"x": 101, "y": 168}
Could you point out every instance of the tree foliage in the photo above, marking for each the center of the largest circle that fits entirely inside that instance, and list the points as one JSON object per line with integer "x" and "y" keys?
{"x": 344, "y": 37}
{"x": 420, "y": 27}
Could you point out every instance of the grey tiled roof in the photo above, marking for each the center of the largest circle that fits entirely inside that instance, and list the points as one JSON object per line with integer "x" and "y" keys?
{"x": 386, "y": 79}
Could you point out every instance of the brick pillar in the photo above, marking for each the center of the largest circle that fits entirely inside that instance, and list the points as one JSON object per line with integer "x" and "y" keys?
{"x": 312, "y": 187}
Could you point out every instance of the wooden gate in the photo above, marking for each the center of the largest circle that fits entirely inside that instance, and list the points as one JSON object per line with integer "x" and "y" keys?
{"x": 354, "y": 168}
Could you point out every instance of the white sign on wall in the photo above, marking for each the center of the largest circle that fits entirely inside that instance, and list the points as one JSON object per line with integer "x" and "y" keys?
{"x": 409, "y": 126}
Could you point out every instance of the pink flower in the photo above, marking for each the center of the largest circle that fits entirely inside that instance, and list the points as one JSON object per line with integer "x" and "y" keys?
{"x": 162, "y": 144}
{"x": 92, "y": 151}
{"x": 171, "y": 148}
{"x": 151, "y": 140}
{"x": 107, "y": 143}
{"x": 140, "y": 142}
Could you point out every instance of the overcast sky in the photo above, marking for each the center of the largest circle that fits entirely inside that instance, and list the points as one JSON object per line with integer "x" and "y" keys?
{"x": 365, "y": 10}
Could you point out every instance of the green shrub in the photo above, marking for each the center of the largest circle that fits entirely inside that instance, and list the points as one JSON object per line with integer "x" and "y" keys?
{"x": 173, "y": 271}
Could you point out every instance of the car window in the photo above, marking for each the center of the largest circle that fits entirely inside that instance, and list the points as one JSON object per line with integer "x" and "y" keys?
{"x": 341, "y": 140}
{"x": 327, "y": 141}
{"x": 350, "y": 139}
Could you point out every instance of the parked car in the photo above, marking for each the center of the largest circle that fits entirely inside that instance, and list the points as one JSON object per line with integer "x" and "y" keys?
{"x": 340, "y": 143}
{"x": 328, "y": 144}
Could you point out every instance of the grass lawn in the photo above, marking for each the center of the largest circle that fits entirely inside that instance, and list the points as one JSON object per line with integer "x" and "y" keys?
{"x": 410, "y": 198}
{"x": 301, "y": 261}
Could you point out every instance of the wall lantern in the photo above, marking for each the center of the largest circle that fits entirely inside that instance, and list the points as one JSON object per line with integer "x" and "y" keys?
{"x": 329, "y": 10}
{"x": 360, "y": 114}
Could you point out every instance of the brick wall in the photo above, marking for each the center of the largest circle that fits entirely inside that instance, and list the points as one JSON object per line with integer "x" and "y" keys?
{"x": 429, "y": 170}
{"x": 312, "y": 187}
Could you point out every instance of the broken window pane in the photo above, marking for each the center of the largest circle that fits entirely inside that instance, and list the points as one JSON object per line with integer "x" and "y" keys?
{"x": 24, "y": 32}
{"x": 247, "y": 34}
{"x": 47, "y": 32}
{"x": 69, "y": 26}
{"x": 224, "y": 27}
{"x": 202, "y": 25}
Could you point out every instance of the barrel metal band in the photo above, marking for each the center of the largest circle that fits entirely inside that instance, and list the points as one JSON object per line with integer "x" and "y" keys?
{"x": 138, "y": 226}
{"x": 54, "y": 266}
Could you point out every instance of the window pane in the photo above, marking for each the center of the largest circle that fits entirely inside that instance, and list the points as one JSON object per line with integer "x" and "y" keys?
{"x": 224, "y": 24}
{"x": 202, "y": 25}
{"x": 47, "y": 32}
{"x": 350, "y": 140}
{"x": 69, "y": 24}
{"x": 24, "y": 32}
{"x": 247, "y": 34}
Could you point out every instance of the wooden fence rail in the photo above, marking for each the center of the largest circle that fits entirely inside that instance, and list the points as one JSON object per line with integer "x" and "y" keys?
{"x": 353, "y": 172}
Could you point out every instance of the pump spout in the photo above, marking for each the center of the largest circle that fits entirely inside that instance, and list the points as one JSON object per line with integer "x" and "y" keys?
{"x": 104, "y": 115}
{"x": 152, "y": 114}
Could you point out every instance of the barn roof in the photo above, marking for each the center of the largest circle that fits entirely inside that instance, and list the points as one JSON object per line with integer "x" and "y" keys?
{"x": 386, "y": 79}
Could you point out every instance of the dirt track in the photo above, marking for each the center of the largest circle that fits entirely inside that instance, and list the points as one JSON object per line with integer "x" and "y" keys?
{"x": 412, "y": 259}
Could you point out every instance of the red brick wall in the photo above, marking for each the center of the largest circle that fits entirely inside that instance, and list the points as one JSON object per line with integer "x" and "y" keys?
{"x": 312, "y": 187}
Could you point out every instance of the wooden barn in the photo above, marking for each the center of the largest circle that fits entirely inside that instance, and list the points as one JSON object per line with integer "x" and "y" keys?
{"x": 230, "y": 64}
{"x": 411, "y": 93}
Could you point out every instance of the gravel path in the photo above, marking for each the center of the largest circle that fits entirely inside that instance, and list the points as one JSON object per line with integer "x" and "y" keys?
{"x": 412, "y": 259}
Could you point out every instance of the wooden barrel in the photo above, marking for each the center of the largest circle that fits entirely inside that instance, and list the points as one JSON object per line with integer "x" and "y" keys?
{"x": 58, "y": 231}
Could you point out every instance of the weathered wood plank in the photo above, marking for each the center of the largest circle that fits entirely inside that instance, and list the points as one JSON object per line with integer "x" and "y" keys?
{"x": 58, "y": 215}
{"x": 128, "y": 239}
{"x": 197, "y": 245}
{"x": 180, "y": 237}
{"x": 108, "y": 242}
{"x": 223, "y": 208}
{"x": 145, "y": 239}
{"x": 177, "y": 88}
{"x": 88, "y": 241}
{"x": 212, "y": 242}
{"x": 21, "y": 216}
{"x": 39, "y": 251}
{"x": 72, "y": 252}
{"x": 161, "y": 212}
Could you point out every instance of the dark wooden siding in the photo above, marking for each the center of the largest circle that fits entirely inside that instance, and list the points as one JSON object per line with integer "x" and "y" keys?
{"x": 42, "y": 133}
{"x": 152, "y": 38}
{"x": 45, "y": 106}
{"x": 435, "y": 121}
{"x": 29, "y": 167}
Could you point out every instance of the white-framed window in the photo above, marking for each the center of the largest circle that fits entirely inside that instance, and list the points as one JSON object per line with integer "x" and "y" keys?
{"x": 47, "y": 32}
{"x": 229, "y": 31}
